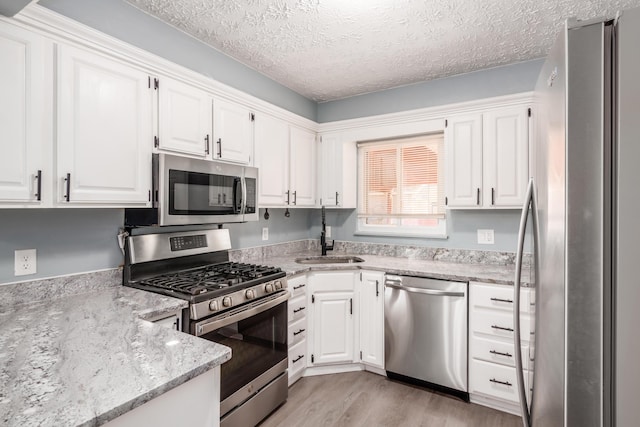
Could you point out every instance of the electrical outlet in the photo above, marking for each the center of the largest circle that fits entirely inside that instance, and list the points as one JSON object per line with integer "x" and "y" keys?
{"x": 328, "y": 228}
{"x": 25, "y": 262}
{"x": 485, "y": 237}
{"x": 265, "y": 233}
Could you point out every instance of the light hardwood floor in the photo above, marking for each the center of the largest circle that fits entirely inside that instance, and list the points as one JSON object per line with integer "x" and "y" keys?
{"x": 366, "y": 399}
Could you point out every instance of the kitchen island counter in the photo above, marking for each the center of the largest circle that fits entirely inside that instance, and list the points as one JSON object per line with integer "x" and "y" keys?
{"x": 84, "y": 360}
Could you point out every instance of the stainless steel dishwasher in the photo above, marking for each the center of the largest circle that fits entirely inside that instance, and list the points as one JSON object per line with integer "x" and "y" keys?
{"x": 425, "y": 326}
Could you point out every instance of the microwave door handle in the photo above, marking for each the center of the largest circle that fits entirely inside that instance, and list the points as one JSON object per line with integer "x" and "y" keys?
{"x": 237, "y": 192}
{"x": 243, "y": 206}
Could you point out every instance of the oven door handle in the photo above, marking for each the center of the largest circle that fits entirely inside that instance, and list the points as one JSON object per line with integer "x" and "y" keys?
{"x": 210, "y": 325}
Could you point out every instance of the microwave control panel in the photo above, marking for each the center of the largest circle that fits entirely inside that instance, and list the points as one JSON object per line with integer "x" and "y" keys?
{"x": 182, "y": 243}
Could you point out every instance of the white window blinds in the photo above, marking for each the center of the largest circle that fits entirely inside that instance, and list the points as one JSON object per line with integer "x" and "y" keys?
{"x": 402, "y": 181}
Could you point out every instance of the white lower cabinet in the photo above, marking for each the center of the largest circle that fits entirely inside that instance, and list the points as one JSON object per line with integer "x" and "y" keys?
{"x": 372, "y": 318}
{"x": 297, "y": 329}
{"x": 492, "y": 373}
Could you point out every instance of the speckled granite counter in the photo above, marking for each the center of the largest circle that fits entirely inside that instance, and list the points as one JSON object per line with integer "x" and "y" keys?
{"x": 83, "y": 360}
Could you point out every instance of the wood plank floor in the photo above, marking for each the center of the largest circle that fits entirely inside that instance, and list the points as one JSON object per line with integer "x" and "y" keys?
{"x": 366, "y": 399}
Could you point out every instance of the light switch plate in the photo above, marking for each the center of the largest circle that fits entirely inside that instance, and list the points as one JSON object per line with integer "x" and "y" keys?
{"x": 485, "y": 237}
{"x": 265, "y": 233}
{"x": 25, "y": 262}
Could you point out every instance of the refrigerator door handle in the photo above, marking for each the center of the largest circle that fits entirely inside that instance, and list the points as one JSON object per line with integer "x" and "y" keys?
{"x": 529, "y": 202}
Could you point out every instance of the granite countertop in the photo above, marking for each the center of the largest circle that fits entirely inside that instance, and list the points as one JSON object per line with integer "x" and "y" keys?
{"x": 457, "y": 271}
{"x": 84, "y": 360}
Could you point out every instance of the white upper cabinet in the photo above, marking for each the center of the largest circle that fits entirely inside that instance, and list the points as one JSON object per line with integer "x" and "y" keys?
{"x": 185, "y": 118}
{"x": 302, "y": 164}
{"x": 463, "y": 154}
{"x": 286, "y": 159}
{"x": 25, "y": 116}
{"x": 105, "y": 130}
{"x": 506, "y": 154}
{"x": 232, "y": 132}
{"x": 338, "y": 172}
{"x": 272, "y": 159}
{"x": 487, "y": 158}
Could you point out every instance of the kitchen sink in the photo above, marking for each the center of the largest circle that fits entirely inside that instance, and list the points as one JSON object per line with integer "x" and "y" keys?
{"x": 329, "y": 260}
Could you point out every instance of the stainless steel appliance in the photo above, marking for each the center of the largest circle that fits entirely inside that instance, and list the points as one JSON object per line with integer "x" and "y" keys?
{"x": 242, "y": 306}
{"x": 583, "y": 200}
{"x": 197, "y": 191}
{"x": 425, "y": 327}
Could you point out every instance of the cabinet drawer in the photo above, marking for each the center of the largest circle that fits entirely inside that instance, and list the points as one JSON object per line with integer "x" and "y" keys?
{"x": 297, "y": 331}
{"x": 297, "y": 358}
{"x": 496, "y": 351}
{"x": 499, "y": 324}
{"x": 297, "y": 285}
{"x": 498, "y": 297}
{"x": 494, "y": 380}
{"x": 297, "y": 308}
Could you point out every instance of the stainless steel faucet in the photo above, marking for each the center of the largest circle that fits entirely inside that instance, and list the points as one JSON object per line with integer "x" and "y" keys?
{"x": 323, "y": 236}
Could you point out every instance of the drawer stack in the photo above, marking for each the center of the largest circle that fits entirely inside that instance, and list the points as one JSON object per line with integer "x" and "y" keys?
{"x": 492, "y": 374}
{"x": 297, "y": 327}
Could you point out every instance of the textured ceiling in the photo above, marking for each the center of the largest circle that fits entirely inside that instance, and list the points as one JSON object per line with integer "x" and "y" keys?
{"x": 331, "y": 49}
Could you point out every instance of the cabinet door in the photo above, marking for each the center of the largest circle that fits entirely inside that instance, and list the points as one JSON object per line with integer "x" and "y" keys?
{"x": 506, "y": 156}
{"x": 333, "y": 327}
{"x": 185, "y": 118}
{"x": 23, "y": 114}
{"x": 330, "y": 170}
{"x": 463, "y": 151}
{"x": 232, "y": 132}
{"x": 302, "y": 166}
{"x": 104, "y": 130}
{"x": 272, "y": 160}
{"x": 372, "y": 318}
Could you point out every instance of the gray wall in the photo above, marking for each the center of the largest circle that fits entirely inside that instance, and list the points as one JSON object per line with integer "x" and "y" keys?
{"x": 505, "y": 80}
{"x": 125, "y": 22}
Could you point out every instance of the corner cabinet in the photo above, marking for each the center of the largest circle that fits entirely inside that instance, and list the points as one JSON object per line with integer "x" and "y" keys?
{"x": 25, "y": 118}
{"x": 333, "y": 320}
{"x": 105, "y": 129}
{"x": 372, "y": 318}
{"x": 286, "y": 159}
{"x": 487, "y": 158}
{"x": 338, "y": 172}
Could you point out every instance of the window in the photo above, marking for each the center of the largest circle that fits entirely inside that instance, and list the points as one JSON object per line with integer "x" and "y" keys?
{"x": 401, "y": 186}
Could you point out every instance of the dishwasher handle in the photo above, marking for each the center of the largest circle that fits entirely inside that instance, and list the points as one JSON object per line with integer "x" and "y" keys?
{"x": 436, "y": 292}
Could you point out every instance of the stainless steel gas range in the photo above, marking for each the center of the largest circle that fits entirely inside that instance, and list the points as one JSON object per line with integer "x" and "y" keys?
{"x": 242, "y": 306}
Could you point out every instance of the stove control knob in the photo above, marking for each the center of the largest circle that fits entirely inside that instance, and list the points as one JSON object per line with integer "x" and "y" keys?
{"x": 268, "y": 287}
{"x": 227, "y": 302}
{"x": 277, "y": 284}
{"x": 213, "y": 306}
{"x": 250, "y": 294}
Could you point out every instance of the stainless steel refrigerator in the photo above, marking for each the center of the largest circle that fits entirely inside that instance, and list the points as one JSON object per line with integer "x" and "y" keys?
{"x": 584, "y": 204}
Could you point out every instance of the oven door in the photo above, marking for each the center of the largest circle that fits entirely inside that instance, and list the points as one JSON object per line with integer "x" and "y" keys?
{"x": 257, "y": 335}
{"x": 195, "y": 191}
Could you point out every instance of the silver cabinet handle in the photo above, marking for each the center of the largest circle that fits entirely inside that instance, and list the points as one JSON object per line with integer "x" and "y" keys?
{"x": 499, "y": 353}
{"x": 493, "y": 380}
{"x": 68, "y": 185}
{"x": 38, "y": 178}
{"x": 299, "y": 286}
{"x": 478, "y": 197}
{"x": 501, "y": 328}
{"x": 206, "y": 147}
{"x": 502, "y": 300}
{"x": 423, "y": 291}
{"x": 288, "y": 196}
{"x": 219, "y": 142}
{"x": 377, "y": 288}
{"x": 297, "y": 310}
{"x": 529, "y": 201}
{"x": 295, "y": 197}
{"x": 337, "y": 198}
{"x": 493, "y": 196}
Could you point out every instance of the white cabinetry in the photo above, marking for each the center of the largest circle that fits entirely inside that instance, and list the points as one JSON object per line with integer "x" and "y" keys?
{"x": 371, "y": 307}
{"x": 184, "y": 118}
{"x": 286, "y": 159}
{"x": 105, "y": 129}
{"x": 338, "y": 172}
{"x": 25, "y": 118}
{"x": 492, "y": 375}
{"x": 333, "y": 319}
{"x": 232, "y": 132}
{"x": 297, "y": 339}
{"x": 487, "y": 158}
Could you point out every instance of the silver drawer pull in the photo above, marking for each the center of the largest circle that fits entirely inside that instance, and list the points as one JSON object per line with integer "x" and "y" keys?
{"x": 297, "y": 310}
{"x": 509, "y": 301}
{"x": 299, "y": 286}
{"x": 299, "y": 332}
{"x": 500, "y": 353}
{"x": 297, "y": 358}
{"x": 502, "y": 328}
{"x": 493, "y": 380}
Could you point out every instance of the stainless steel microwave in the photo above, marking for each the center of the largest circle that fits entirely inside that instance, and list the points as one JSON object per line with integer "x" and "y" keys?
{"x": 196, "y": 191}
